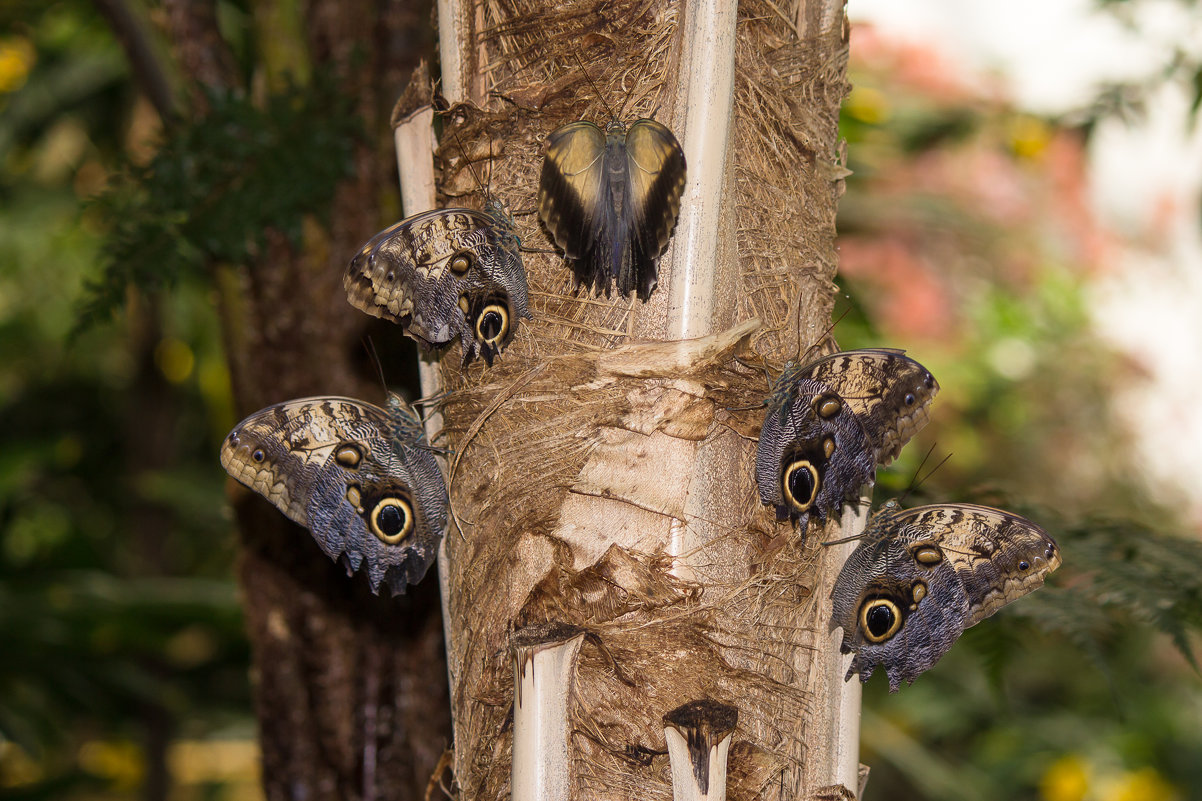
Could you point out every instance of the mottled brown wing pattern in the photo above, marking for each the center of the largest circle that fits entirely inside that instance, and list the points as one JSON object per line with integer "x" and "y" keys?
{"x": 830, "y": 422}
{"x": 812, "y": 455}
{"x": 998, "y": 556}
{"x": 921, "y": 576}
{"x": 443, "y": 275}
{"x": 352, "y": 473}
{"x": 890, "y": 393}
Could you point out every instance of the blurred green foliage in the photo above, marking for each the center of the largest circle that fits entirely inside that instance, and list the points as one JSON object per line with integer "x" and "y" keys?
{"x": 120, "y": 629}
{"x": 970, "y": 213}
{"x": 215, "y": 187}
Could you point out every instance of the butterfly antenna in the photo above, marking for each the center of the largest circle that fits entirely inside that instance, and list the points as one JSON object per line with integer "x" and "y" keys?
{"x": 432, "y": 400}
{"x": 470, "y": 165}
{"x": 917, "y": 482}
{"x": 805, "y": 356}
{"x": 370, "y": 347}
{"x": 589, "y": 78}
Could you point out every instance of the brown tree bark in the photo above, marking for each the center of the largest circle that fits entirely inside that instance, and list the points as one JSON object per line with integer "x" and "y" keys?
{"x": 350, "y": 688}
{"x": 602, "y": 487}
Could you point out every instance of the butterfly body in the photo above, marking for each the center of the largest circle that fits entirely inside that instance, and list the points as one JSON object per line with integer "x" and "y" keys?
{"x": 354, "y": 474}
{"x": 830, "y": 422}
{"x": 443, "y": 275}
{"x": 921, "y": 576}
{"x": 610, "y": 200}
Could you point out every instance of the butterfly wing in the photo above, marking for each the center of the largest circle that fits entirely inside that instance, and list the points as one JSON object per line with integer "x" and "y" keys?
{"x": 353, "y": 474}
{"x": 442, "y": 275}
{"x": 998, "y": 556}
{"x": 610, "y": 200}
{"x": 923, "y": 575}
{"x": 571, "y": 199}
{"x": 655, "y": 172}
{"x": 889, "y": 392}
{"x": 812, "y": 454}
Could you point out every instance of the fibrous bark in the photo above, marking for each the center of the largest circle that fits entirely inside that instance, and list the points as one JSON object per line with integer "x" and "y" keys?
{"x": 600, "y": 477}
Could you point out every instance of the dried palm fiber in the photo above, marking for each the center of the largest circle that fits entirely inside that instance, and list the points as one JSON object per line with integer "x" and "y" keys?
{"x": 598, "y": 478}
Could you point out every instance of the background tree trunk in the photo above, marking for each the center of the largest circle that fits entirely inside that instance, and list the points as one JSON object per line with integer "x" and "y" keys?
{"x": 600, "y": 486}
{"x": 350, "y": 688}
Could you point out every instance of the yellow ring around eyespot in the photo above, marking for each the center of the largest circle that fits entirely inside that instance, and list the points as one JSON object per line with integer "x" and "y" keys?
{"x": 873, "y": 604}
{"x": 800, "y": 465}
{"x": 406, "y": 509}
{"x": 499, "y": 309}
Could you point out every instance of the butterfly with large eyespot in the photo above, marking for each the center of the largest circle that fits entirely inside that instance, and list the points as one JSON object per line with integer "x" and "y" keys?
{"x": 921, "y": 576}
{"x": 830, "y": 422}
{"x": 610, "y": 200}
{"x": 445, "y": 274}
{"x": 354, "y": 474}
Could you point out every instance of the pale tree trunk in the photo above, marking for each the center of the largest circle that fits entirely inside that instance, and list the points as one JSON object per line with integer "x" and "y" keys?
{"x": 608, "y": 553}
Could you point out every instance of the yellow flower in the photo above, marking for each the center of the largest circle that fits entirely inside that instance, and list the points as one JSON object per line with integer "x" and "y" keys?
{"x": 1144, "y": 784}
{"x": 1066, "y": 779}
{"x": 1029, "y": 136}
{"x": 16, "y": 60}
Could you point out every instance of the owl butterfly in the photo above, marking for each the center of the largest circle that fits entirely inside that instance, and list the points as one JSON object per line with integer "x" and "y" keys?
{"x": 444, "y": 274}
{"x": 352, "y": 473}
{"x": 921, "y": 576}
{"x": 831, "y": 422}
{"x": 610, "y": 199}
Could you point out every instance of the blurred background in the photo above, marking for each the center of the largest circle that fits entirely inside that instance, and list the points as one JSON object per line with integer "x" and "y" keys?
{"x": 1023, "y": 216}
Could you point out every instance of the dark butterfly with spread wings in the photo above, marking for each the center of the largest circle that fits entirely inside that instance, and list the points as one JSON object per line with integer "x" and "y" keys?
{"x": 921, "y": 576}
{"x": 830, "y": 422}
{"x": 445, "y": 274}
{"x": 610, "y": 199}
{"x": 352, "y": 473}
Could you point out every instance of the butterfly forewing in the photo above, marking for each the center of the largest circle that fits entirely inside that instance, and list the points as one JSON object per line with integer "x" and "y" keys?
{"x": 656, "y": 172}
{"x": 988, "y": 547}
{"x": 889, "y": 392}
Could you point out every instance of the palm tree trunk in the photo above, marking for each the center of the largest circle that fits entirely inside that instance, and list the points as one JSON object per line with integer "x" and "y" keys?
{"x": 605, "y": 515}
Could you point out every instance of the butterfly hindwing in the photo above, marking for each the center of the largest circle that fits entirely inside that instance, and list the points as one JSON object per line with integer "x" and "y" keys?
{"x": 442, "y": 275}
{"x": 813, "y": 454}
{"x": 610, "y": 200}
{"x": 352, "y": 473}
{"x": 836, "y": 419}
{"x": 921, "y": 576}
